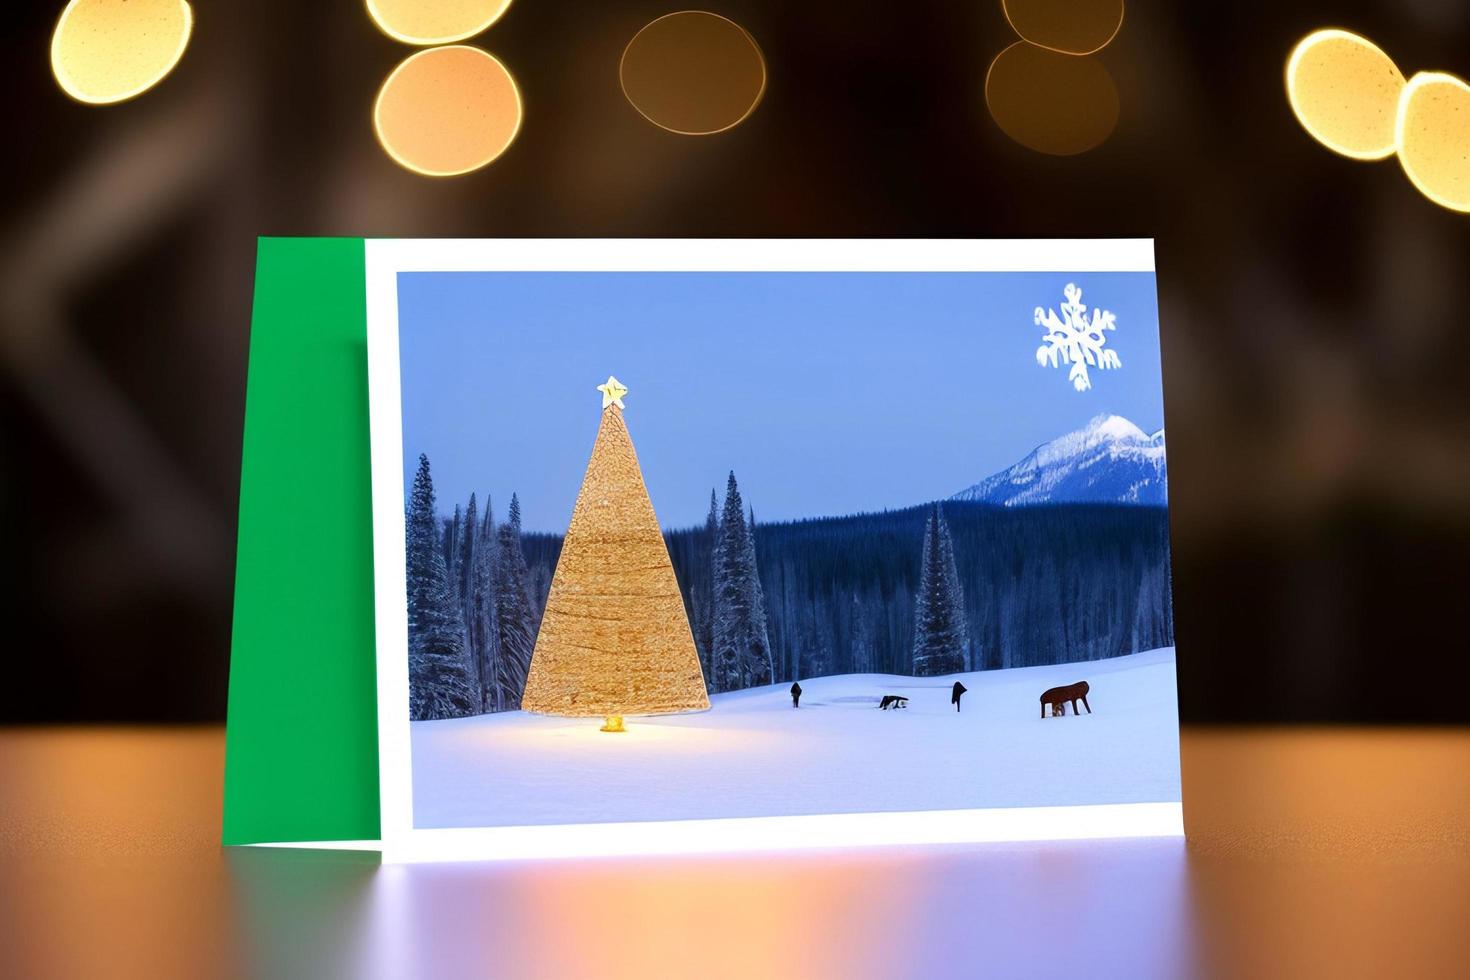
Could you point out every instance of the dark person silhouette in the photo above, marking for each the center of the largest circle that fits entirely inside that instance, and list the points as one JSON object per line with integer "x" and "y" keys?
{"x": 954, "y": 697}
{"x": 795, "y": 695}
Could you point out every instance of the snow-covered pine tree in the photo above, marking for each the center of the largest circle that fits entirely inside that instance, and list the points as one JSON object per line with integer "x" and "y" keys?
{"x": 467, "y": 553}
{"x": 742, "y": 655}
{"x": 487, "y": 626}
{"x": 451, "y": 540}
{"x": 724, "y": 673}
{"x": 440, "y": 682}
{"x": 703, "y": 620}
{"x": 939, "y": 639}
{"x": 956, "y": 591}
{"x": 762, "y": 664}
{"x": 451, "y": 555}
{"x": 420, "y": 533}
{"x": 465, "y": 563}
{"x": 446, "y": 687}
{"x": 516, "y": 625}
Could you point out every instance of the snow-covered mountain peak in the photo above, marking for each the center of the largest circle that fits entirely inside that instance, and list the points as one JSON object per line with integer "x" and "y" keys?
{"x": 1102, "y": 430}
{"x": 1109, "y": 460}
{"x": 1113, "y": 427}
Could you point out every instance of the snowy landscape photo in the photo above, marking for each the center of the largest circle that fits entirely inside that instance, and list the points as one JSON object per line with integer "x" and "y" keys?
{"x": 699, "y": 545}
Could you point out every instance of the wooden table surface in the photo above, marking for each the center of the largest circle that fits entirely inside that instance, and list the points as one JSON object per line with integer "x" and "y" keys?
{"x": 1312, "y": 852}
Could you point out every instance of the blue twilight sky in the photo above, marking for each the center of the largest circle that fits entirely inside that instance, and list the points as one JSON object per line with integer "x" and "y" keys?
{"x": 826, "y": 393}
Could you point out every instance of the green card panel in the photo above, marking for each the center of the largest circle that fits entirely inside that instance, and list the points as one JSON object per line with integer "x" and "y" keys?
{"x": 301, "y": 757}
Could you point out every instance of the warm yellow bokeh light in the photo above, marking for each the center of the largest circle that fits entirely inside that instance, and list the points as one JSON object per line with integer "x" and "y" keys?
{"x": 1068, "y": 26}
{"x": 1345, "y": 93}
{"x": 105, "y": 51}
{"x": 1432, "y": 130}
{"x": 447, "y": 111}
{"x": 1050, "y": 102}
{"x": 434, "y": 21}
{"x": 693, "y": 72}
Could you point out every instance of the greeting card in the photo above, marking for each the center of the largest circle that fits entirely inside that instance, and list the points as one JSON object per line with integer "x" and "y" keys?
{"x": 730, "y": 545}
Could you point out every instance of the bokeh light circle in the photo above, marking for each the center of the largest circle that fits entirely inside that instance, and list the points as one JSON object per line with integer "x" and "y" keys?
{"x": 434, "y": 21}
{"x": 1432, "y": 132}
{"x": 1053, "y": 103}
{"x": 106, "y": 51}
{"x": 447, "y": 111}
{"x": 1345, "y": 93}
{"x": 693, "y": 73}
{"x": 1069, "y": 26}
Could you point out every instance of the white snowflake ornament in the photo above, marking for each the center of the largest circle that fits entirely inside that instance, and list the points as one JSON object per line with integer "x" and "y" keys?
{"x": 1076, "y": 339}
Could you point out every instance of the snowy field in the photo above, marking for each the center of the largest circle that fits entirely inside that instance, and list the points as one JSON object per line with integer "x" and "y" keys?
{"x": 752, "y": 754}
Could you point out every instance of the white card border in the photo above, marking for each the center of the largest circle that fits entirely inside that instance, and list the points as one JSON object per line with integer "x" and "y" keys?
{"x": 385, "y": 258}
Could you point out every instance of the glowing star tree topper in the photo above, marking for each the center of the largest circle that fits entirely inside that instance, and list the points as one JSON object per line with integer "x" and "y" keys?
{"x": 612, "y": 392}
{"x": 1074, "y": 337}
{"x": 615, "y": 639}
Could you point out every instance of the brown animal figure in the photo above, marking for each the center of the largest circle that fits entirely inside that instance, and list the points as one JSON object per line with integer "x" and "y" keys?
{"x": 893, "y": 701}
{"x": 1058, "y": 697}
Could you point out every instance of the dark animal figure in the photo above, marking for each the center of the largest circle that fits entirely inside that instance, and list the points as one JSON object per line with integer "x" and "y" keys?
{"x": 954, "y": 695}
{"x": 1058, "y": 697}
{"x": 893, "y": 701}
{"x": 796, "y": 695}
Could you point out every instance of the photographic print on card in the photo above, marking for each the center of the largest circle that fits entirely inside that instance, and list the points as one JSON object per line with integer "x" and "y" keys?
{"x": 741, "y": 541}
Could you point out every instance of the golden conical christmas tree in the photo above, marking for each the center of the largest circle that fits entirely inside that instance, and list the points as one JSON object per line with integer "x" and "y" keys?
{"x": 615, "y": 639}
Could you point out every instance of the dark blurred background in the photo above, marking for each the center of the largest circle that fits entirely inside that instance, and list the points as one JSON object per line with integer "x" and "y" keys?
{"x": 1316, "y": 340}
